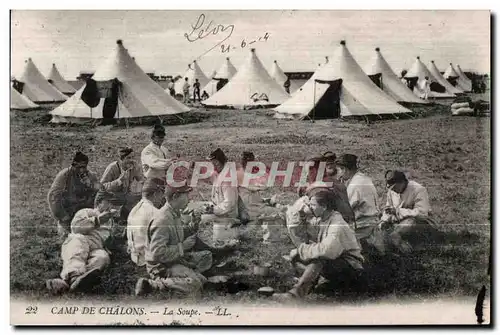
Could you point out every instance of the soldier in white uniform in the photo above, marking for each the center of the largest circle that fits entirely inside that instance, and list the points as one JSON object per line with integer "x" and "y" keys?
{"x": 363, "y": 199}
{"x": 154, "y": 158}
{"x": 84, "y": 254}
{"x": 407, "y": 210}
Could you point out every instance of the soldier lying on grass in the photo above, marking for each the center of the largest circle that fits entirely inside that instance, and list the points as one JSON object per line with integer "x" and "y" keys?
{"x": 84, "y": 253}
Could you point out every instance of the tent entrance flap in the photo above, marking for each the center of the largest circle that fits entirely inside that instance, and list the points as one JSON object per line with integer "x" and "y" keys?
{"x": 436, "y": 87}
{"x": 377, "y": 79}
{"x": 18, "y": 86}
{"x": 328, "y": 105}
{"x": 220, "y": 83}
{"x": 109, "y": 91}
{"x": 453, "y": 81}
{"x": 411, "y": 82}
{"x": 90, "y": 95}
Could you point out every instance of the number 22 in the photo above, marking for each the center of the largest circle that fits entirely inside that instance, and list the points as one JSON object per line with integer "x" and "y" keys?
{"x": 31, "y": 310}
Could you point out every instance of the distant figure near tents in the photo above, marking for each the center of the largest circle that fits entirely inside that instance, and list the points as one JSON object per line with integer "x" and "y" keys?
{"x": 286, "y": 85}
{"x": 427, "y": 88}
{"x": 205, "y": 95}
{"x": 185, "y": 90}
{"x": 196, "y": 90}
{"x": 171, "y": 87}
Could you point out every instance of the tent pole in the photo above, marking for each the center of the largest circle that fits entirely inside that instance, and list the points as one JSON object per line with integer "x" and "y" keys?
{"x": 314, "y": 102}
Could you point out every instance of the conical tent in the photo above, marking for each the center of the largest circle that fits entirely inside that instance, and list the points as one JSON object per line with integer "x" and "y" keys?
{"x": 339, "y": 88}
{"x": 223, "y": 74}
{"x": 450, "y": 72}
{"x": 118, "y": 89}
{"x": 194, "y": 72}
{"x": 452, "y": 76}
{"x": 417, "y": 73}
{"x": 439, "y": 77}
{"x": 19, "y": 101}
{"x": 280, "y": 77}
{"x": 36, "y": 87}
{"x": 463, "y": 81}
{"x": 390, "y": 82}
{"x": 58, "y": 81}
{"x": 251, "y": 86}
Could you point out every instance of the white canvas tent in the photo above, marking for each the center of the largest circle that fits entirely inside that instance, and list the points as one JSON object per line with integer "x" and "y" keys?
{"x": 339, "y": 88}
{"x": 389, "y": 81}
{"x": 452, "y": 76}
{"x": 463, "y": 81}
{"x": 450, "y": 72}
{"x": 118, "y": 89}
{"x": 194, "y": 72}
{"x": 441, "y": 80}
{"x": 280, "y": 77}
{"x": 19, "y": 101}
{"x": 36, "y": 87}
{"x": 251, "y": 86}
{"x": 417, "y": 74}
{"x": 59, "y": 82}
{"x": 223, "y": 74}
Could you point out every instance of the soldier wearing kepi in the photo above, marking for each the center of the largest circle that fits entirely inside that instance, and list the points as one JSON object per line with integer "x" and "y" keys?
{"x": 73, "y": 188}
{"x": 154, "y": 158}
{"x": 171, "y": 259}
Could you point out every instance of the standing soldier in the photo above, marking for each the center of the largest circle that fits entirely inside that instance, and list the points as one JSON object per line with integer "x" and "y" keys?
{"x": 154, "y": 158}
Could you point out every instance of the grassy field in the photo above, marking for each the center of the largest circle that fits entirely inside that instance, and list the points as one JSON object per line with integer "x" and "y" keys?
{"x": 449, "y": 155}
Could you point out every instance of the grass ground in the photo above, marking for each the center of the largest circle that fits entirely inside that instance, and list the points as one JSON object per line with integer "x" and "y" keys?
{"x": 449, "y": 155}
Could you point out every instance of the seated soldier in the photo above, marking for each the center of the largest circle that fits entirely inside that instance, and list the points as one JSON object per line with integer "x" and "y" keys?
{"x": 171, "y": 259}
{"x": 228, "y": 209}
{"x": 334, "y": 253}
{"x": 83, "y": 252}
{"x": 74, "y": 188}
{"x": 298, "y": 217}
{"x": 118, "y": 178}
{"x": 205, "y": 96}
{"x": 153, "y": 198}
{"x": 407, "y": 209}
{"x": 363, "y": 199}
{"x": 249, "y": 188}
{"x": 300, "y": 220}
{"x": 330, "y": 171}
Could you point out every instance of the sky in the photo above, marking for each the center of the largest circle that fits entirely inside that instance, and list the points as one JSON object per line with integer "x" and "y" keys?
{"x": 80, "y": 40}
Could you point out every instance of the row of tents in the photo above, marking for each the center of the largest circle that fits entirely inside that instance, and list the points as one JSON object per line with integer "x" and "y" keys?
{"x": 224, "y": 74}
{"x": 340, "y": 87}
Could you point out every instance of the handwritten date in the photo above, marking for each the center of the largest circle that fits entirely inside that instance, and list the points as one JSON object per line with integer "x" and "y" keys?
{"x": 228, "y": 47}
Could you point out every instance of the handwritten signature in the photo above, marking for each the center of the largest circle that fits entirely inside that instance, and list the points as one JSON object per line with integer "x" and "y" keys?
{"x": 198, "y": 32}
